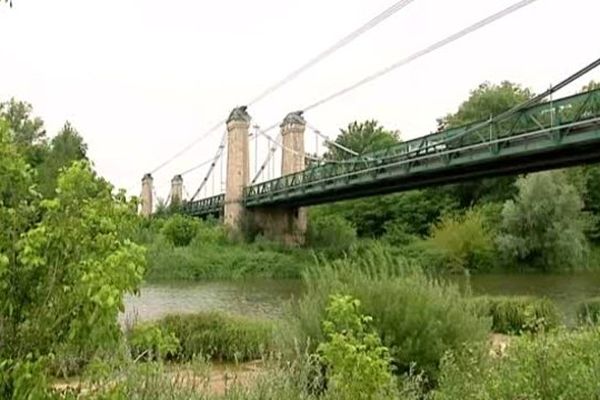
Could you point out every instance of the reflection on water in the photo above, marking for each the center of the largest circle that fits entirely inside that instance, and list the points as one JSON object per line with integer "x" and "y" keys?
{"x": 267, "y": 298}
{"x": 264, "y": 298}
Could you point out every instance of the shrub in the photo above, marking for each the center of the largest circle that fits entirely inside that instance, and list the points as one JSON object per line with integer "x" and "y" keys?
{"x": 218, "y": 336}
{"x": 149, "y": 342}
{"x": 180, "y": 230}
{"x": 519, "y": 314}
{"x": 419, "y": 319}
{"x": 559, "y": 365}
{"x": 358, "y": 365}
{"x": 331, "y": 234}
{"x": 465, "y": 240}
{"x": 588, "y": 311}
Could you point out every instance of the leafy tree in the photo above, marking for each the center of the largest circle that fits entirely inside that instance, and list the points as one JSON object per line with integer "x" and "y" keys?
{"x": 65, "y": 263}
{"x": 415, "y": 211}
{"x": 485, "y": 101}
{"x": 592, "y": 85}
{"x": 544, "y": 226}
{"x": 65, "y": 148}
{"x": 362, "y": 137}
{"x": 29, "y": 134}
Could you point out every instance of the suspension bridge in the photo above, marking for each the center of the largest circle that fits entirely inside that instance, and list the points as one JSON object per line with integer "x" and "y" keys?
{"x": 539, "y": 134}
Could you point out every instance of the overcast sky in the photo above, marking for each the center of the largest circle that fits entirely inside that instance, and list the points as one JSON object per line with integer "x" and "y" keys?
{"x": 140, "y": 79}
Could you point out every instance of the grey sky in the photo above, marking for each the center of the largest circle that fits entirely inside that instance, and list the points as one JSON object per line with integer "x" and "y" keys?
{"x": 142, "y": 78}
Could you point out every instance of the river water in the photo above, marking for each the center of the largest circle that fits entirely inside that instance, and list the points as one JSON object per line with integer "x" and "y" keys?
{"x": 268, "y": 298}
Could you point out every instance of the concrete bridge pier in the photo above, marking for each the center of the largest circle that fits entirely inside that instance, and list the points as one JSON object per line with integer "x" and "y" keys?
{"x": 287, "y": 224}
{"x": 146, "y": 198}
{"x": 238, "y": 169}
{"x": 176, "y": 190}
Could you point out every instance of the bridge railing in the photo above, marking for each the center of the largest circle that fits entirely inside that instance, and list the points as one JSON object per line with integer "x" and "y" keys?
{"x": 208, "y": 206}
{"x": 540, "y": 117}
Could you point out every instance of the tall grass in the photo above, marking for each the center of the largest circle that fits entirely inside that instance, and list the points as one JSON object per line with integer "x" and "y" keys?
{"x": 518, "y": 314}
{"x": 215, "y": 335}
{"x": 417, "y": 317}
{"x": 558, "y": 365}
{"x": 588, "y": 311}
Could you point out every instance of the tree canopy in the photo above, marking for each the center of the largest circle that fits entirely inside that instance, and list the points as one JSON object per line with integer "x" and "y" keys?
{"x": 362, "y": 137}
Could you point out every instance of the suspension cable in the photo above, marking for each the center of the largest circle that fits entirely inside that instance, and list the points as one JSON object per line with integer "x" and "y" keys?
{"x": 497, "y": 118}
{"x": 332, "y": 142}
{"x": 393, "y": 9}
{"x": 373, "y": 22}
{"x": 444, "y": 42}
{"x": 437, "y": 45}
{"x": 212, "y": 166}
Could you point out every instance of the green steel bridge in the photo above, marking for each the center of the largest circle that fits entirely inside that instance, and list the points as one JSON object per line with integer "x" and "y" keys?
{"x": 554, "y": 134}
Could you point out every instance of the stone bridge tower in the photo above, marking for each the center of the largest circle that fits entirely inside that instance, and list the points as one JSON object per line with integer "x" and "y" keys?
{"x": 146, "y": 198}
{"x": 238, "y": 168}
{"x": 287, "y": 224}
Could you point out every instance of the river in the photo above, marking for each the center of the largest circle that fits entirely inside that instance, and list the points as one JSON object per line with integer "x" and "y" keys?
{"x": 268, "y": 298}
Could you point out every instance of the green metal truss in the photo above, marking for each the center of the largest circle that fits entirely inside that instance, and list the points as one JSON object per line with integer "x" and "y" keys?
{"x": 547, "y": 135}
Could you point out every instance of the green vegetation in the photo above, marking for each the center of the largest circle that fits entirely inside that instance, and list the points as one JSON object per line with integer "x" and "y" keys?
{"x": 218, "y": 336}
{"x": 465, "y": 241}
{"x": 211, "y": 256}
{"x": 543, "y": 227}
{"x": 516, "y": 315}
{"x": 179, "y": 230}
{"x": 418, "y": 318}
{"x": 561, "y": 365}
{"x": 378, "y": 319}
{"x": 65, "y": 264}
{"x": 358, "y": 365}
{"x": 588, "y": 311}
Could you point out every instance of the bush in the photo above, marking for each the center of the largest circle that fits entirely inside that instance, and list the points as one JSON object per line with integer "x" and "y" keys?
{"x": 465, "y": 240}
{"x": 218, "y": 336}
{"x": 331, "y": 234}
{"x": 419, "y": 319}
{"x": 149, "y": 342}
{"x": 180, "y": 230}
{"x": 560, "y": 365}
{"x": 588, "y": 311}
{"x": 516, "y": 315}
{"x": 358, "y": 365}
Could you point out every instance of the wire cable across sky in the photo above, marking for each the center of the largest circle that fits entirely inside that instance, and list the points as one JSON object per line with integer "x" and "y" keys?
{"x": 373, "y": 22}
{"x": 429, "y": 49}
{"x": 437, "y": 45}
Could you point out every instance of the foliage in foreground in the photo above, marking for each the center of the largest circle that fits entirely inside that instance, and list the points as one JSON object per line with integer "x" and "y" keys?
{"x": 215, "y": 335}
{"x": 358, "y": 365}
{"x": 65, "y": 265}
{"x": 418, "y": 319}
{"x": 516, "y": 315}
{"x": 561, "y": 365}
